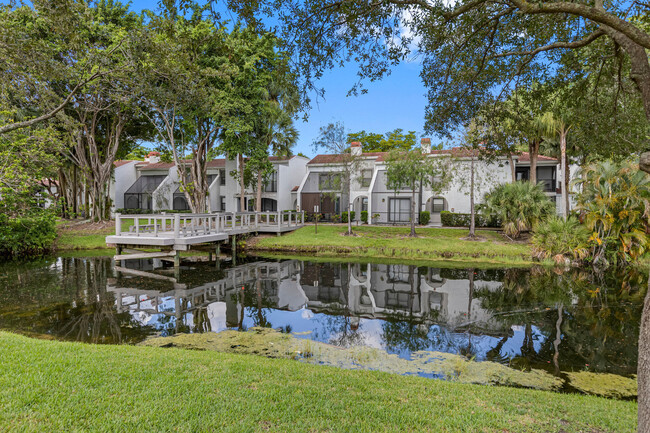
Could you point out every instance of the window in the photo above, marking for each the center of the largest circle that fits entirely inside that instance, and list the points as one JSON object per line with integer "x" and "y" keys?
{"x": 546, "y": 177}
{"x": 269, "y": 205}
{"x": 222, "y": 203}
{"x": 522, "y": 173}
{"x": 364, "y": 204}
{"x": 399, "y": 210}
{"x": 180, "y": 203}
{"x": 366, "y": 177}
{"x": 437, "y": 205}
{"x": 329, "y": 181}
{"x": 272, "y": 183}
{"x": 222, "y": 177}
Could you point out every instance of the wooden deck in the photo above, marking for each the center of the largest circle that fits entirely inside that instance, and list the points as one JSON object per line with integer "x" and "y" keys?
{"x": 178, "y": 232}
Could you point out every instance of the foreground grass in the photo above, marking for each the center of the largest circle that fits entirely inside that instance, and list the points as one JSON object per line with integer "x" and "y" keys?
{"x": 55, "y": 386}
{"x": 393, "y": 242}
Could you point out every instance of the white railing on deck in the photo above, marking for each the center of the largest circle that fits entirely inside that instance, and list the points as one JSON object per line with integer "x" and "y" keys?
{"x": 185, "y": 224}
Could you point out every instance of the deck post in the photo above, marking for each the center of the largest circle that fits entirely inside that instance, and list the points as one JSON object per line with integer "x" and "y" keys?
{"x": 217, "y": 263}
{"x": 177, "y": 226}
{"x": 177, "y": 259}
{"x": 118, "y": 249}
{"x": 279, "y": 220}
{"x": 118, "y": 224}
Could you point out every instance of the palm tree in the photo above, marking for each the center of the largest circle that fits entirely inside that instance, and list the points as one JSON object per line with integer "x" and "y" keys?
{"x": 558, "y": 127}
{"x": 518, "y": 205}
{"x": 276, "y": 129}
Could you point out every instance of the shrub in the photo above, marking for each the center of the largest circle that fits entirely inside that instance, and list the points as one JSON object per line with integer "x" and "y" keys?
{"x": 425, "y": 217}
{"x": 558, "y": 238}
{"x": 615, "y": 206}
{"x": 26, "y": 236}
{"x": 518, "y": 205}
{"x": 364, "y": 216}
{"x": 344, "y": 216}
{"x": 451, "y": 219}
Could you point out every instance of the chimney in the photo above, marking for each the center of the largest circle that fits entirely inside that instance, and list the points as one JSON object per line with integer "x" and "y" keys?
{"x": 425, "y": 145}
{"x": 153, "y": 157}
{"x": 355, "y": 148}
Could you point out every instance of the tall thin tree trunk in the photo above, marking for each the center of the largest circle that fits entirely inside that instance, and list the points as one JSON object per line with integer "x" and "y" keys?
{"x": 533, "y": 151}
{"x": 413, "y": 234}
{"x": 75, "y": 207}
{"x": 472, "y": 215}
{"x": 567, "y": 184}
{"x": 258, "y": 195}
{"x": 513, "y": 171}
{"x": 565, "y": 192}
{"x": 242, "y": 188}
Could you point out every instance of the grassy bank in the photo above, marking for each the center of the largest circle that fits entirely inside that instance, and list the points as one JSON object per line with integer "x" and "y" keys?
{"x": 54, "y": 386}
{"x": 72, "y": 235}
{"x": 393, "y": 242}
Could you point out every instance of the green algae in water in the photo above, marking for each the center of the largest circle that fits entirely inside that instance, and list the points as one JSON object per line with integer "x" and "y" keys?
{"x": 603, "y": 384}
{"x": 273, "y": 344}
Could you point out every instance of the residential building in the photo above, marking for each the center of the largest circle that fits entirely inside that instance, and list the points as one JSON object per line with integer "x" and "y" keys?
{"x": 321, "y": 187}
{"x": 154, "y": 185}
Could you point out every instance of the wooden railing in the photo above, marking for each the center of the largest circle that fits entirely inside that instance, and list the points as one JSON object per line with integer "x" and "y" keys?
{"x": 186, "y": 225}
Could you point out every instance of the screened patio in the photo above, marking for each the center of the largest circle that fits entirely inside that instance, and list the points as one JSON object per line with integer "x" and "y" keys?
{"x": 138, "y": 196}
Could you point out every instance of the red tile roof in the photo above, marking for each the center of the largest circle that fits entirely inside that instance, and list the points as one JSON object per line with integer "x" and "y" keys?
{"x": 122, "y": 162}
{"x": 217, "y": 163}
{"x": 525, "y": 157}
{"x": 155, "y": 165}
{"x": 335, "y": 159}
{"x": 455, "y": 151}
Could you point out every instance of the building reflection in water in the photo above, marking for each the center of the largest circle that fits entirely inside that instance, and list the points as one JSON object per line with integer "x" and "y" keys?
{"x": 521, "y": 317}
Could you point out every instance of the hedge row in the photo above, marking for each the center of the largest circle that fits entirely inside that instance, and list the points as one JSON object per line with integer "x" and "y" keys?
{"x": 451, "y": 219}
{"x": 26, "y": 236}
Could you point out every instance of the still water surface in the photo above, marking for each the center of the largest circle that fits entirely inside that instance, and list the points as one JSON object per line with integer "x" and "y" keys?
{"x": 524, "y": 318}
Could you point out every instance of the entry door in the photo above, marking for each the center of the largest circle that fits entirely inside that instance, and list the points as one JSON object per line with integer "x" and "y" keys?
{"x": 399, "y": 210}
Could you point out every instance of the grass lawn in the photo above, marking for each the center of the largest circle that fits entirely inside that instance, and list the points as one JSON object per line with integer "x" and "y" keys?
{"x": 53, "y": 386}
{"x": 393, "y": 242}
{"x": 85, "y": 236}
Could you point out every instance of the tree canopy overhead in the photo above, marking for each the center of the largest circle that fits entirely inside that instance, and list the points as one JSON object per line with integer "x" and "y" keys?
{"x": 472, "y": 51}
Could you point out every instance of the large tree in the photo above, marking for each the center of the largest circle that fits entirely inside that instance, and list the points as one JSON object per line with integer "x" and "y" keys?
{"x": 393, "y": 140}
{"x": 47, "y": 58}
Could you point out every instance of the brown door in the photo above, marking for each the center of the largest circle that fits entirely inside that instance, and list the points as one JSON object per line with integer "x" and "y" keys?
{"x": 309, "y": 200}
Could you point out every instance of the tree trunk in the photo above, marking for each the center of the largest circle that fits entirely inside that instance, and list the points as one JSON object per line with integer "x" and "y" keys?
{"x": 75, "y": 207}
{"x": 643, "y": 365}
{"x": 258, "y": 195}
{"x": 565, "y": 192}
{"x": 242, "y": 188}
{"x": 472, "y": 216}
{"x": 567, "y": 184}
{"x": 533, "y": 151}
{"x": 413, "y": 234}
{"x": 511, "y": 163}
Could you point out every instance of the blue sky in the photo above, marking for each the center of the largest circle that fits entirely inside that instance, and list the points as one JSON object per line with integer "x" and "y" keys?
{"x": 397, "y": 101}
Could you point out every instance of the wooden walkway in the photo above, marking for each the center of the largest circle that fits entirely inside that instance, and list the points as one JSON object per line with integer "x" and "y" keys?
{"x": 178, "y": 232}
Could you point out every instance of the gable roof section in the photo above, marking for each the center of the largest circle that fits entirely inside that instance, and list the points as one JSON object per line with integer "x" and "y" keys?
{"x": 121, "y": 162}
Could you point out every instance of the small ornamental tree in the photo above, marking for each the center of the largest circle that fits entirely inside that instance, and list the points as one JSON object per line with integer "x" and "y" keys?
{"x": 332, "y": 139}
{"x": 413, "y": 170}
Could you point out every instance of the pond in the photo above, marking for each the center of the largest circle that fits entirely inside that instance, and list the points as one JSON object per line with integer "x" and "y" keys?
{"x": 531, "y": 318}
